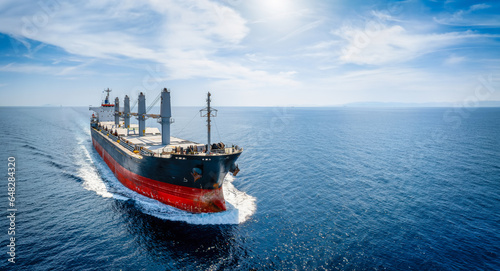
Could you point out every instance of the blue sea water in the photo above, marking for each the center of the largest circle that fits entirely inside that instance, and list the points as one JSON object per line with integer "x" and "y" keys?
{"x": 319, "y": 189}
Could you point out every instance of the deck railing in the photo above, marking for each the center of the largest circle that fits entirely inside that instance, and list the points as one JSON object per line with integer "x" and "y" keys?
{"x": 146, "y": 152}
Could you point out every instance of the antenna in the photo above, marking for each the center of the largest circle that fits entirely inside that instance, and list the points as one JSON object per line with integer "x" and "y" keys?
{"x": 106, "y": 101}
{"x": 208, "y": 114}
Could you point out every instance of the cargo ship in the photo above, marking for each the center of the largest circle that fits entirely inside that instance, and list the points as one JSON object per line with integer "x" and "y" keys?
{"x": 177, "y": 172}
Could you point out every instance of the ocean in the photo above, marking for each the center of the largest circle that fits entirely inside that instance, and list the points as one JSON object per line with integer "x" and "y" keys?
{"x": 319, "y": 189}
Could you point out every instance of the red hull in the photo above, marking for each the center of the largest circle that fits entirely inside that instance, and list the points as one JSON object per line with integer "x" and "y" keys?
{"x": 185, "y": 198}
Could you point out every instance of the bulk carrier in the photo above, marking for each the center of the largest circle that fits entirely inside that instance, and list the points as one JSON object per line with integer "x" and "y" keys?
{"x": 174, "y": 171}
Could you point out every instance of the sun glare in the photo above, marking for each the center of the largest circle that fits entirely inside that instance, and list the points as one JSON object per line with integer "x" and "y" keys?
{"x": 276, "y": 7}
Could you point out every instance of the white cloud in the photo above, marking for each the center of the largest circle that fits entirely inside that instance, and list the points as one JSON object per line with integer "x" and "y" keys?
{"x": 301, "y": 29}
{"x": 324, "y": 45}
{"x": 391, "y": 84}
{"x": 392, "y": 44}
{"x": 384, "y": 16}
{"x": 479, "y": 6}
{"x": 72, "y": 69}
{"x": 240, "y": 55}
{"x": 453, "y": 60}
{"x": 469, "y": 17}
{"x": 26, "y": 68}
{"x": 44, "y": 69}
{"x": 184, "y": 36}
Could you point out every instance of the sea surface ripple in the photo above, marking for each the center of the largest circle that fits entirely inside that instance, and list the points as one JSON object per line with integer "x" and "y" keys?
{"x": 319, "y": 189}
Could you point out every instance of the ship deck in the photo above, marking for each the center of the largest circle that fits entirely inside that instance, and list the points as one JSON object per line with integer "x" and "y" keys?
{"x": 151, "y": 141}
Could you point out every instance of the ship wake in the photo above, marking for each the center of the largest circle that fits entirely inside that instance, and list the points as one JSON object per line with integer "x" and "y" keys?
{"x": 92, "y": 180}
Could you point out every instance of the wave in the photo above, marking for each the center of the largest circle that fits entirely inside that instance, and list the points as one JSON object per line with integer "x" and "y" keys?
{"x": 240, "y": 207}
{"x": 73, "y": 177}
{"x": 27, "y": 146}
{"x": 56, "y": 165}
{"x": 92, "y": 180}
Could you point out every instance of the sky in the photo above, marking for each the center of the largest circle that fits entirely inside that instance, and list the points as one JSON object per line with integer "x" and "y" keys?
{"x": 250, "y": 53}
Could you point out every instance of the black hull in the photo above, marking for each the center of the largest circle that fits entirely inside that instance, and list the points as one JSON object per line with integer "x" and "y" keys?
{"x": 177, "y": 170}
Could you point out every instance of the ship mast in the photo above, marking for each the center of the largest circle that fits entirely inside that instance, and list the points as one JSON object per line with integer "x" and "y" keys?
{"x": 106, "y": 101}
{"x": 209, "y": 110}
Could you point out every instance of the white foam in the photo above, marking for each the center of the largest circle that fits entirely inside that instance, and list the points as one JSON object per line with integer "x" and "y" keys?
{"x": 240, "y": 207}
{"x": 241, "y": 201}
{"x": 91, "y": 179}
{"x": 120, "y": 197}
